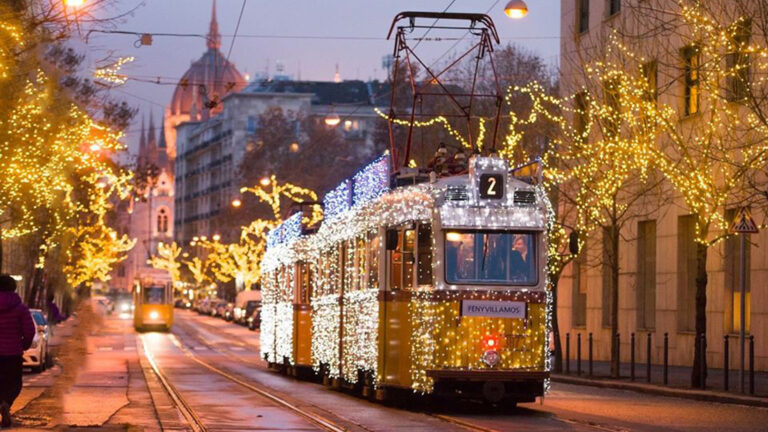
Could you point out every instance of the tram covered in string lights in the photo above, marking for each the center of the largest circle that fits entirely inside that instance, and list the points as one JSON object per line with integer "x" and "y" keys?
{"x": 434, "y": 287}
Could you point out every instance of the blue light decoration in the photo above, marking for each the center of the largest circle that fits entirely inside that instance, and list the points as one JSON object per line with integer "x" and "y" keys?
{"x": 292, "y": 228}
{"x": 286, "y": 232}
{"x": 337, "y": 201}
{"x": 274, "y": 235}
{"x": 372, "y": 181}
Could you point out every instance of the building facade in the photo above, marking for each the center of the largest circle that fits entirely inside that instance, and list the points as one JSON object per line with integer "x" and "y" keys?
{"x": 211, "y": 151}
{"x": 657, "y": 286}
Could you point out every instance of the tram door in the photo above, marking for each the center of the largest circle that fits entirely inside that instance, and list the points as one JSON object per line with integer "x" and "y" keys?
{"x": 408, "y": 264}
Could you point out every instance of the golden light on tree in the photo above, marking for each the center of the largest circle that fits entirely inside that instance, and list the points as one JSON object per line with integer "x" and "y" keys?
{"x": 167, "y": 259}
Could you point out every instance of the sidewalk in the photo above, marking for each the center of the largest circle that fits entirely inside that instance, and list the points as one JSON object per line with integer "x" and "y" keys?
{"x": 97, "y": 380}
{"x": 678, "y": 385}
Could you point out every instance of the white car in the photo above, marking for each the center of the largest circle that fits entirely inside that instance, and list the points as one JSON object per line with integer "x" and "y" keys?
{"x": 36, "y": 356}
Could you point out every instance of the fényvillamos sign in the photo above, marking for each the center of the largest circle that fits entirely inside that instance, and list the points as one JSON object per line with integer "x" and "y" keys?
{"x": 494, "y": 309}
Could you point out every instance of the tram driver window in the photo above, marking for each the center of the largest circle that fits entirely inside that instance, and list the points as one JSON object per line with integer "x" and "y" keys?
{"x": 154, "y": 295}
{"x": 488, "y": 257}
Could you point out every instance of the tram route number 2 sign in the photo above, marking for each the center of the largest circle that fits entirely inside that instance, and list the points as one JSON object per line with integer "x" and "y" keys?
{"x": 491, "y": 186}
{"x": 493, "y": 309}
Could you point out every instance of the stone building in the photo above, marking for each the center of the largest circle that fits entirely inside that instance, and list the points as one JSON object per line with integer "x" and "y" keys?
{"x": 656, "y": 251}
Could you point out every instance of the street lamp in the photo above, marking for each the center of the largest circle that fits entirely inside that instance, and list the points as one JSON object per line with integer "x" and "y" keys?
{"x": 74, "y": 3}
{"x": 216, "y": 237}
{"x": 236, "y": 203}
{"x": 332, "y": 119}
{"x": 516, "y": 9}
{"x": 264, "y": 181}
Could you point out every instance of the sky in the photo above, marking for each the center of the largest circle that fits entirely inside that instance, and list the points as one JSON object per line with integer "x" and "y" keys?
{"x": 308, "y": 37}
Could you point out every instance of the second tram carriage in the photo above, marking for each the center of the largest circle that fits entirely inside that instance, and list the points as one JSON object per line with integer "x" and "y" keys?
{"x": 435, "y": 287}
{"x": 153, "y": 304}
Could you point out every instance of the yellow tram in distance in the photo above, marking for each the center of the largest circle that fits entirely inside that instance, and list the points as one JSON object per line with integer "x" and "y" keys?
{"x": 153, "y": 304}
{"x": 435, "y": 287}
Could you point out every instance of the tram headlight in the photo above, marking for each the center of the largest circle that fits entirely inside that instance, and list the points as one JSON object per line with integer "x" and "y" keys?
{"x": 154, "y": 315}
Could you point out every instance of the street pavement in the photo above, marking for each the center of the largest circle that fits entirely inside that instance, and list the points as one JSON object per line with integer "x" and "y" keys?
{"x": 104, "y": 379}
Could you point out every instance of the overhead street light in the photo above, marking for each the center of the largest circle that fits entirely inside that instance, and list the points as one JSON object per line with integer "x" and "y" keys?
{"x": 516, "y": 9}
{"x": 332, "y": 119}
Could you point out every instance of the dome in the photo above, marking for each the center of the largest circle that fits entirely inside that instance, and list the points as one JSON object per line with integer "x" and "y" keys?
{"x": 207, "y": 80}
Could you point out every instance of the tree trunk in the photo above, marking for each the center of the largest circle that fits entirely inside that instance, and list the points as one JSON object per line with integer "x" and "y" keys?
{"x": 613, "y": 262}
{"x": 558, "y": 366}
{"x": 701, "y": 316}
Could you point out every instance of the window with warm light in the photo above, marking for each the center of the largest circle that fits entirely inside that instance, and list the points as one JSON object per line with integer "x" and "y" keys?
{"x": 691, "y": 65}
{"x": 737, "y": 63}
{"x": 490, "y": 257}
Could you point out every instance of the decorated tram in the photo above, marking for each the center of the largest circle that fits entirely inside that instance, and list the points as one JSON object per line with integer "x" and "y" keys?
{"x": 435, "y": 286}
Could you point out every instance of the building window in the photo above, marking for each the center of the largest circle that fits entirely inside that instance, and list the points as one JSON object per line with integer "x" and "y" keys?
{"x": 121, "y": 271}
{"x": 251, "y": 124}
{"x": 162, "y": 222}
{"x": 614, "y": 7}
{"x": 691, "y": 65}
{"x": 651, "y": 75}
{"x": 582, "y": 15}
{"x": 646, "y": 274}
{"x": 580, "y": 289}
{"x": 737, "y": 63}
{"x": 581, "y": 115}
{"x": 686, "y": 273}
{"x": 733, "y": 279}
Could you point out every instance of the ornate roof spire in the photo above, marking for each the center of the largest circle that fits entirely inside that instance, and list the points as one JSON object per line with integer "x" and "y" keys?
{"x": 142, "y": 139}
{"x": 214, "y": 37}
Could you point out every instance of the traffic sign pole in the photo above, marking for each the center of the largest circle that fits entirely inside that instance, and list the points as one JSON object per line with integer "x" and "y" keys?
{"x": 742, "y": 307}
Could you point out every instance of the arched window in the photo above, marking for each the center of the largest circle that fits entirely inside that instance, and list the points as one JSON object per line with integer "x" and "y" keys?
{"x": 162, "y": 221}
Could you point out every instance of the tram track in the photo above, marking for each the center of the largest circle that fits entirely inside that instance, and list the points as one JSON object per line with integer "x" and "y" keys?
{"x": 191, "y": 416}
{"x": 448, "y": 419}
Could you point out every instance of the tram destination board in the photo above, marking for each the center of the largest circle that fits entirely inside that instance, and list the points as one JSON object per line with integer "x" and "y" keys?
{"x": 493, "y": 309}
{"x": 492, "y": 186}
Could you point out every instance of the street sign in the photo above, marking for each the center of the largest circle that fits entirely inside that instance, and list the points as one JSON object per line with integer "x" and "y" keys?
{"x": 743, "y": 223}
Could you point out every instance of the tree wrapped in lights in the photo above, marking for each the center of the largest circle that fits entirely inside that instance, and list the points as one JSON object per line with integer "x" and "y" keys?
{"x": 167, "y": 259}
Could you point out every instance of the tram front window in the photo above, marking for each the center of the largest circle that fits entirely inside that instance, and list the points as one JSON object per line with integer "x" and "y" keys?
{"x": 490, "y": 257}
{"x": 154, "y": 295}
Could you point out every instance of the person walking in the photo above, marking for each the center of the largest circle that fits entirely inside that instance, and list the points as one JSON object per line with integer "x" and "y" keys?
{"x": 16, "y": 333}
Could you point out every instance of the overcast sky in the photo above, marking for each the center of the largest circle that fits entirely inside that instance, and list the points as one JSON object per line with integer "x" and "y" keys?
{"x": 313, "y": 56}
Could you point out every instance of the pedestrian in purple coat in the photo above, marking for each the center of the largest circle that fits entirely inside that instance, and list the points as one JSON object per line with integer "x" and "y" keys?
{"x": 16, "y": 333}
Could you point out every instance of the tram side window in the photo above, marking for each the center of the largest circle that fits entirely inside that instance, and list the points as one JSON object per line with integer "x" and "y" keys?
{"x": 402, "y": 260}
{"x": 154, "y": 295}
{"x": 373, "y": 260}
{"x": 425, "y": 255}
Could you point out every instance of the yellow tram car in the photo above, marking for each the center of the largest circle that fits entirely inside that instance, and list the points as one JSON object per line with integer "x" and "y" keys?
{"x": 153, "y": 304}
{"x": 435, "y": 287}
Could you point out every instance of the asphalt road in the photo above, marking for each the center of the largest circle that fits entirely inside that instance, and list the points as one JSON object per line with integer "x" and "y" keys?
{"x": 234, "y": 350}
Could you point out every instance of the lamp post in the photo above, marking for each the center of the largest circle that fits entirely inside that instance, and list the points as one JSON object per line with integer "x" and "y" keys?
{"x": 516, "y": 9}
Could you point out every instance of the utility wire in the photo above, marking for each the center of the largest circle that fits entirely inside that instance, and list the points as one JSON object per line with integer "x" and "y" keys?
{"x": 433, "y": 24}
{"x": 237, "y": 27}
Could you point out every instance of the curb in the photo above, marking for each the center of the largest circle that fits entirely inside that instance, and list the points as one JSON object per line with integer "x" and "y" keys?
{"x": 701, "y": 395}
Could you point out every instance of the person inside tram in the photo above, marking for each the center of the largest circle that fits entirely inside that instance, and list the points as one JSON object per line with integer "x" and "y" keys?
{"x": 521, "y": 268}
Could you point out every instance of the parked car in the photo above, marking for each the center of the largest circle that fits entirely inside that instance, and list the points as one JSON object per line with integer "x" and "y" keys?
{"x": 36, "y": 356}
{"x": 204, "y": 306}
{"x": 217, "y": 308}
{"x": 229, "y": 312}
{"x": 245, "y": 302}
{"x": 254, "y": 320}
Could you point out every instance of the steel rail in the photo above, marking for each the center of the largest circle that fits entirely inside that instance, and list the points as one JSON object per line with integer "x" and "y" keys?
{"x": 181, "y": 404}
{"x": 314, "y": 418}
{"x": 462, "y": 423}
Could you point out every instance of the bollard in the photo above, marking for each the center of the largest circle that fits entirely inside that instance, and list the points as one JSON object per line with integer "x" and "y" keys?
{"x": 648, "y": 359}
{"x": 725, "y": 363}
{"x": 578, "y": 354}
{"x": 666, "y": 358}
{"x": 702, "y": 362}
{"x": 590, "y": 355}
{"x": 618, "y": 355}
{"x": 632, "y": 357}
{"x": 568, "y": 353}
{"x": 751, "y": 364}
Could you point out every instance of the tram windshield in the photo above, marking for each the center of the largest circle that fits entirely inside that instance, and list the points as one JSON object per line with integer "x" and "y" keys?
{"x": 154, "y": 295}
{"x": 490, "y": 257}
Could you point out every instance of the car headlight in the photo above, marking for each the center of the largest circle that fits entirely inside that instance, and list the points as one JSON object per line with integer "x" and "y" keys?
{"x": 125, "y": 307}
